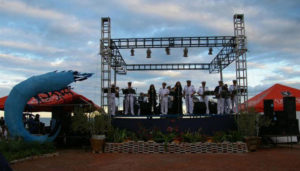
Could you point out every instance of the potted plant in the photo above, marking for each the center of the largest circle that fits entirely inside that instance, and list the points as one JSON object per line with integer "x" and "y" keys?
{"x": 96, "y": 125}
{"x": 100, "y": 124}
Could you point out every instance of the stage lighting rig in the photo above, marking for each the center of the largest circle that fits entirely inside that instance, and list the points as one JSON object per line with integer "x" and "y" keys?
{"x": 167, "y": 50}
{"x": 185, "y": 52}
{"x": 148, "y": 53}
{"x": 210, "y": 50}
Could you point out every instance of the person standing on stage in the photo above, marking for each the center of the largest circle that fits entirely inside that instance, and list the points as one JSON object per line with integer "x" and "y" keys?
{"x": 129, "y": 101}
{"x": 112, "y": 99}
{"x": 203, "y": 95}
{"x": 152, "y": 98}
{"x": 177, "y": 103}
{"x": 142, "y": 100}
{"x": 163, "y": 98}
{"x": 219, "y": 92}
{"x": 188, "y": 92}
{"x": 170, "y": 100}
{"x": 234, "y": 98}
{"x": 227, "y": 103}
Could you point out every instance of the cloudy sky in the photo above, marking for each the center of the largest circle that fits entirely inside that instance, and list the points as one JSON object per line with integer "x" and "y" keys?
{"x": 41, "y": 36}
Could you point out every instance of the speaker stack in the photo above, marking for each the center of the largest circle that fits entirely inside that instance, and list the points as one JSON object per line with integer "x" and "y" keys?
{"x": 269, "y": 108}
{"x": 283, "y": 122}
{"x": 289, "y": 108}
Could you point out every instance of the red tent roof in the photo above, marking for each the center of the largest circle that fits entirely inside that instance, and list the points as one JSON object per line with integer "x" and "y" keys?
{"x": 276, "y": 92}
{"x": 65, "y": 98}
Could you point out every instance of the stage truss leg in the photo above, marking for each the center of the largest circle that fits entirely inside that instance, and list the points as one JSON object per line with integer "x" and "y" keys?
{"x": 241, "y": 59}
{"x": 106, "y": 55}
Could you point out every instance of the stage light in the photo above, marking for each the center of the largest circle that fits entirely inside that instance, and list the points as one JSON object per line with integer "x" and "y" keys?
{"x": 148, "y": 53}
{"x": 132, "y": 52}
{"x": 167, "y": 50}
{"x": 185, "y": 52}
{"x": 210, "y": 50}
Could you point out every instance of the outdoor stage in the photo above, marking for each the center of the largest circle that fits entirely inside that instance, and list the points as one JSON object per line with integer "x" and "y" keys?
{"x": 208, "y": 124}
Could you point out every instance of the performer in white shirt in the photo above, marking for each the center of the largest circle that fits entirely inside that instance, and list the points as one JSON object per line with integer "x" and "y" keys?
{"x": 234, "y": 98}
{"x": 227, "y": 102}
{"x": 129, "y": 99}
{"x": 203, "y": 96}
{"x": 163, "y": 98}
{"x": 219, "y": 92}
{"x": 188, "y": 92}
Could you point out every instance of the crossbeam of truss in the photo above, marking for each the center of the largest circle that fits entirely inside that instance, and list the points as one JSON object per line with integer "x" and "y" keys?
{"x": 147, "y": 67}
{"x": 174, "y": 42}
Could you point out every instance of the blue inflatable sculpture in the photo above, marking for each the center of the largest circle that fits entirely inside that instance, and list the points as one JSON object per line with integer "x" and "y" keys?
{"x": 21, "y": 94}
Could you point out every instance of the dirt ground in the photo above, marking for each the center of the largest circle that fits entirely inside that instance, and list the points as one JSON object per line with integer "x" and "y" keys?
{"x": 280, "y": 158}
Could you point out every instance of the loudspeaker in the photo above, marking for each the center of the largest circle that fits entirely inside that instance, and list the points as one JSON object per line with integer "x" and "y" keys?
{"x": 199, "y": 108}
{"x": 213, "y": 107}
{"x": 293, "y": 127}
{"x": 269, "y": 108}
{"x": 289, "y": 107}
{"x": 281, "y": 116}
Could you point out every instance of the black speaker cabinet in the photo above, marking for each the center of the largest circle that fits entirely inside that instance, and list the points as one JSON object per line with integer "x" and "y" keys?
{"x": 281, "y": 116}
{"x": 269, "y": 108}
{"x": 293, "y": 127}
{"x": 289, "y": 107}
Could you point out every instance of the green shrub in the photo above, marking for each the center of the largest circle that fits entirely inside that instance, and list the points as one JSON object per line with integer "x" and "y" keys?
{"x": 96, "y": 123}
{"x": 249, "y": 123}
{"x": 219, "y": 137}
{"x": 117, "y": 135}
{"x": 17, "y": 149}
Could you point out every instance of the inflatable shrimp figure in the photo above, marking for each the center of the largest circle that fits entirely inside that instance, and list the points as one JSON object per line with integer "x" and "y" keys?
{"x": 21, "y": 94}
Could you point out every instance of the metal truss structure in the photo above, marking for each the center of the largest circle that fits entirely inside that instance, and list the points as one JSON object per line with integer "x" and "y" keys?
{"x": 234, "y": 48}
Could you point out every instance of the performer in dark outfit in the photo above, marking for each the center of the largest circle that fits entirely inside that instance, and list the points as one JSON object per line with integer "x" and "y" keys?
{"x": 177, "y": 103}
{"x": 152, "y": 98}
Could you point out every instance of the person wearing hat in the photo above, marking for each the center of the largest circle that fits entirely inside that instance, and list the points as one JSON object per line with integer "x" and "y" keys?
{"x": 129, "y": 99}
{"x": 219, "y": 95}
{"x": 203, "y": 96}
{"x": 234, "y": 98}
{"x": 188, "y": 92}
{"x": 163, "y": 98}
{"x": 227, "y": 102}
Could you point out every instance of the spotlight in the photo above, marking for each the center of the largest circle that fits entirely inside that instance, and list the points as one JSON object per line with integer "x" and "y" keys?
{"x": 210, "y": 50}
{"x": 148, "y": 53}
{"x": 185, "y": 52}
{"x": 132, "y": 52}
{"x": 167, "y": 50}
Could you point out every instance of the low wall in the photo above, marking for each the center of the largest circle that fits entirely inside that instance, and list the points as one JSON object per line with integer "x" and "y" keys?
{"x": 153, "y": 147}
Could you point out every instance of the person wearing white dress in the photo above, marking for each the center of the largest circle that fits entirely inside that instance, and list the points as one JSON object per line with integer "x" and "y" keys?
{"x": 219, "y": 95}
{"x": 129, "y": 100}
{"x": 112, "y": 99}
{"x": 234, "y": 98}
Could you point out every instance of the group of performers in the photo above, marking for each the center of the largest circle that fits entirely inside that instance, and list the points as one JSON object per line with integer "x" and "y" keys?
{"x": 170, "y": 99}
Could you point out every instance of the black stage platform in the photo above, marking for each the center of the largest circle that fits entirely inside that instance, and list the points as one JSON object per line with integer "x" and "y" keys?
{"x": 209, "y": 124}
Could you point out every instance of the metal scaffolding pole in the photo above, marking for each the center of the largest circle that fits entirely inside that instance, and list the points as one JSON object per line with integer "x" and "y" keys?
{"x": 106, "y": 55}
{"x": 241, "y": 59}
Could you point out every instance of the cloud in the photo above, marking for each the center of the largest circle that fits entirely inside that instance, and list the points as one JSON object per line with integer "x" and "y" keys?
{"x": 59, "y": 21}
{"x": 30, "y": 47}
{"x": 255, "y": 65}
{"x": 41, "y": 36}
